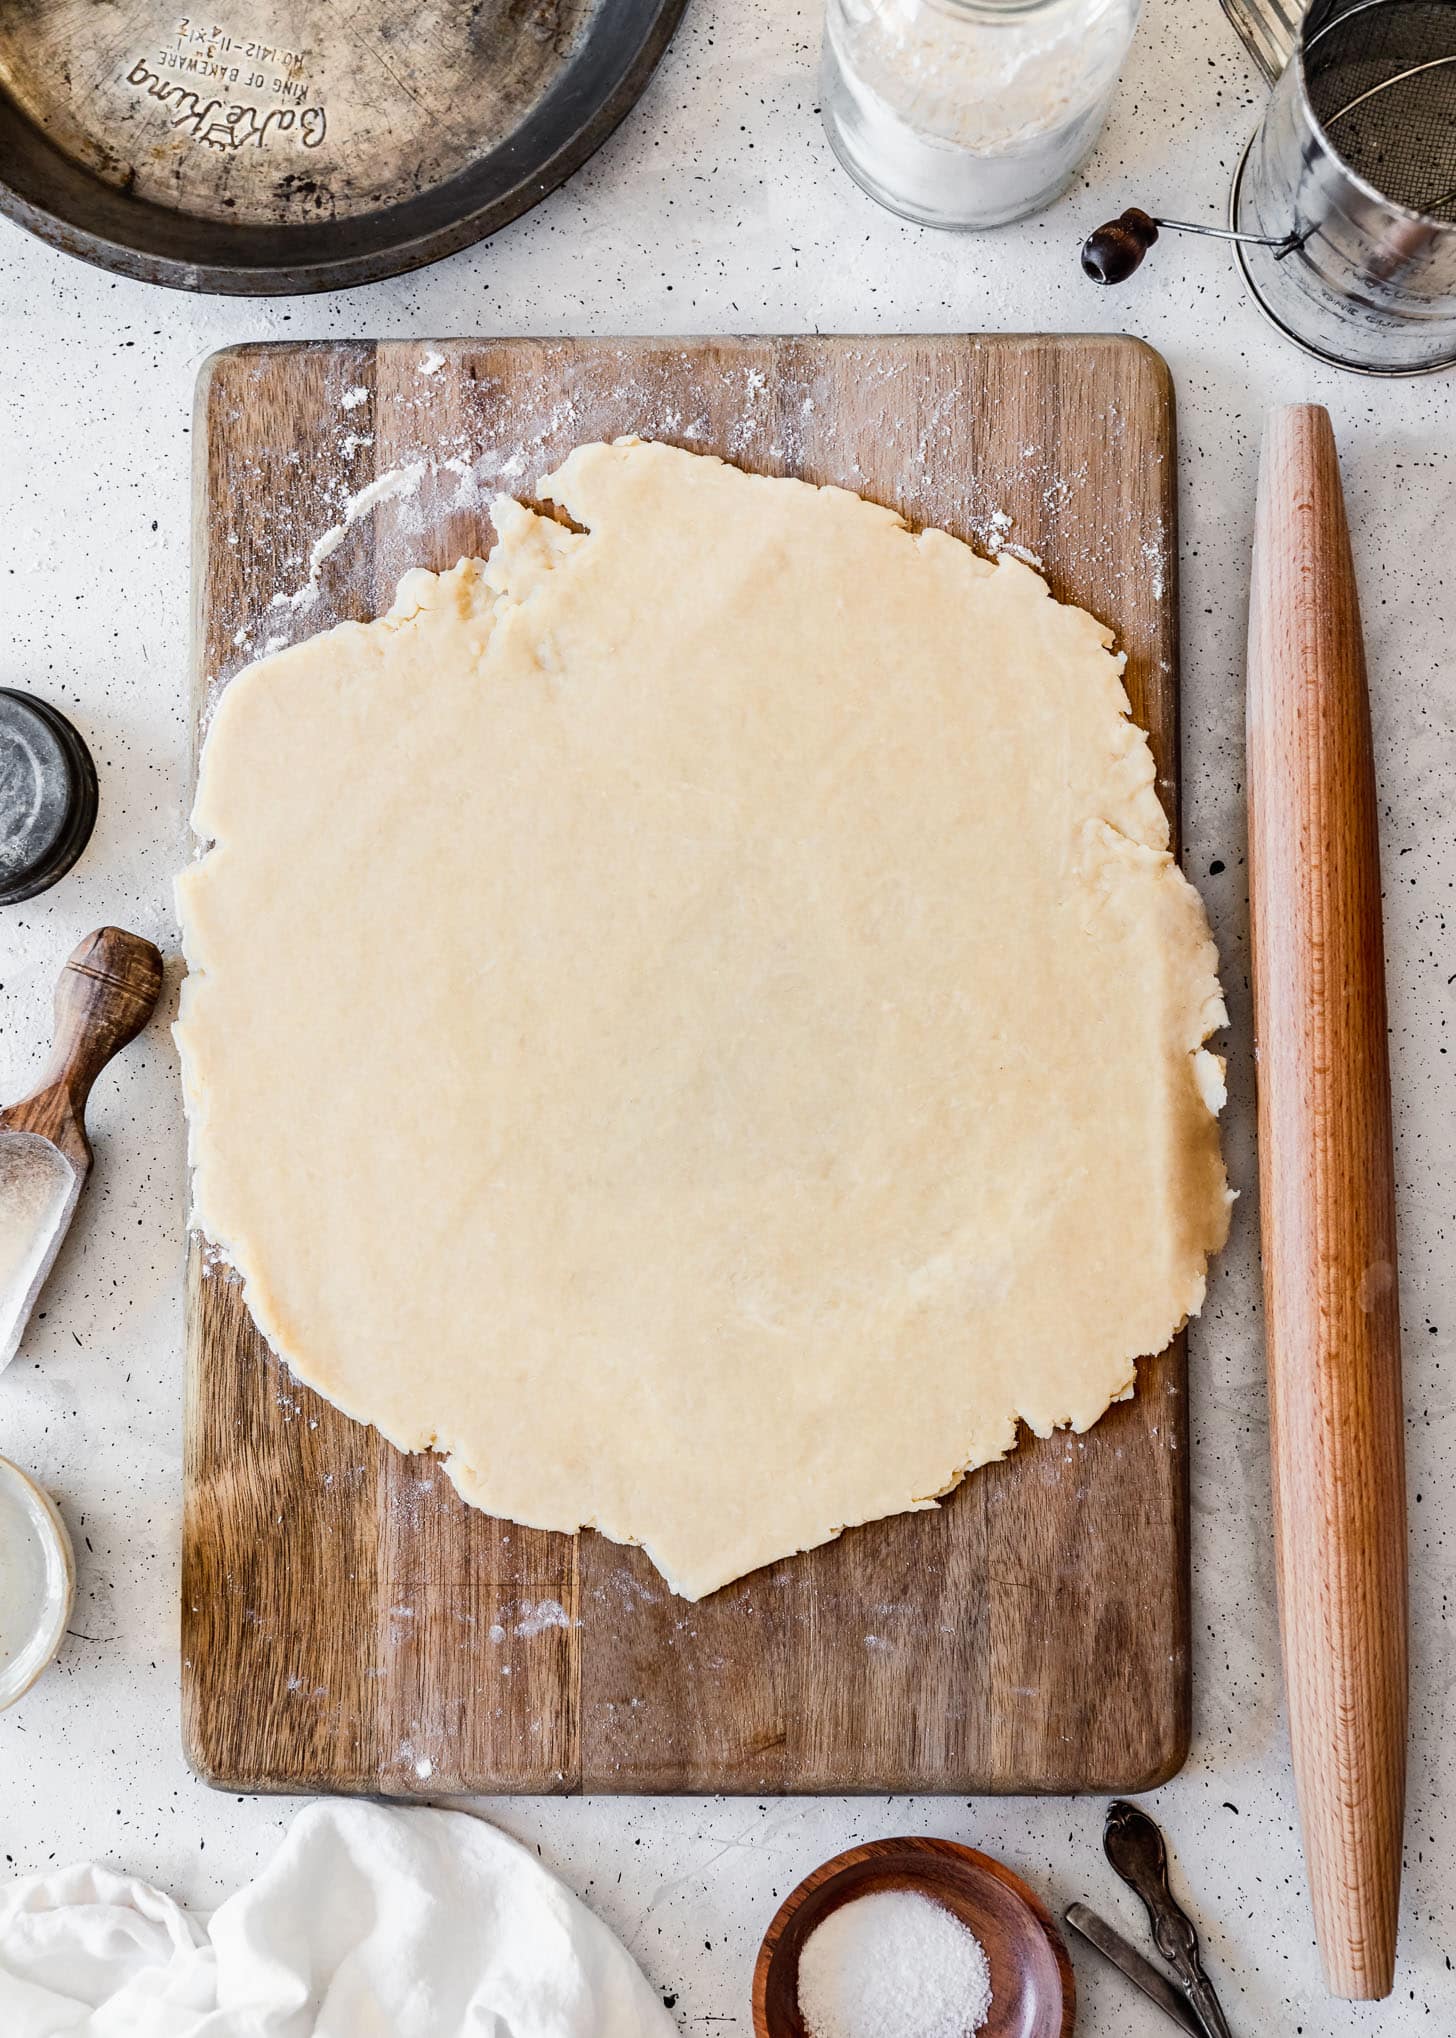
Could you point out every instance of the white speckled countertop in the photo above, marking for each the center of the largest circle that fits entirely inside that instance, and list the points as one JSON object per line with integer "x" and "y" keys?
{"x": 718, "y": 207}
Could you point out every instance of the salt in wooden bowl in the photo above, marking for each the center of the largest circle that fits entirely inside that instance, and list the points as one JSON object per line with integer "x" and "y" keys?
{"x": 1033, "y": 1994}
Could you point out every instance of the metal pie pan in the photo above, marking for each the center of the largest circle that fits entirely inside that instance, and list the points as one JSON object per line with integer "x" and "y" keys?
{"x": 290, "y": 147}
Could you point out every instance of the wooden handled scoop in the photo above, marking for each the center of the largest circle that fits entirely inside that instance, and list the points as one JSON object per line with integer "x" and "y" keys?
{"x": 104, "y": 998}
{"x": 1326, "y": 1176}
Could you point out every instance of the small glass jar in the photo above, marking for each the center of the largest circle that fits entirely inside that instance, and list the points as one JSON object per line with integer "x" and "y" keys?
{"x": 969, "y": 113}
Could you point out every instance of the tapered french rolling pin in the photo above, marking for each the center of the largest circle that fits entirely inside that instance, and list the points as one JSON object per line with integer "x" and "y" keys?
{"x": 1327, "y": 1189}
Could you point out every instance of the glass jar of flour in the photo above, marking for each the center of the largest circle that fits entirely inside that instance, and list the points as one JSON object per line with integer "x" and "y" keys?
{"x": 969, "y": 113}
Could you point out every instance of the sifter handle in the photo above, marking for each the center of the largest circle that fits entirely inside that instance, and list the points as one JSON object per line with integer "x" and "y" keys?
{"x": 1326, "y": 1174}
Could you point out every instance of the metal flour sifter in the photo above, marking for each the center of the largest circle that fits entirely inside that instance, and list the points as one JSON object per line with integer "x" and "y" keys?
{"x": 1343, "y": 208}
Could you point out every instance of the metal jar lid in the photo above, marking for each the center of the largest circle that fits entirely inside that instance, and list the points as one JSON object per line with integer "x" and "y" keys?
{"x": 47, "y": 796}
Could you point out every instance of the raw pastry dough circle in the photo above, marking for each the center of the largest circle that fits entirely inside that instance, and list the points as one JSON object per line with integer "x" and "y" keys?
{"x": 695, "y": 1018}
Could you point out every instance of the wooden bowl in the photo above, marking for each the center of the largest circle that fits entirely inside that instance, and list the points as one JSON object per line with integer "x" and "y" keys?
{"x": 1033, "y": 1994}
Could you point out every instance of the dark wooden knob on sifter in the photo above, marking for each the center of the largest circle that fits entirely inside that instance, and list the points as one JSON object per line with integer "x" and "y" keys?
{"x": 1326, "y": 1175}
{"x": 1114, "y": 251}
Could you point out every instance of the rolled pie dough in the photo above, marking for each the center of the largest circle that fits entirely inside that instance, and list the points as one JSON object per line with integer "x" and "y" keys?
{"x": 695, "y": 1017}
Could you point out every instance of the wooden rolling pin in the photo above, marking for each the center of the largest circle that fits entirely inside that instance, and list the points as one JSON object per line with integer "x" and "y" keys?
{"x": 1326, "y": 1175}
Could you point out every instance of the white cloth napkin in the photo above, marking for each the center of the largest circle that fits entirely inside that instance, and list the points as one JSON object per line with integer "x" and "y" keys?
{"x": 368, "y": 1923}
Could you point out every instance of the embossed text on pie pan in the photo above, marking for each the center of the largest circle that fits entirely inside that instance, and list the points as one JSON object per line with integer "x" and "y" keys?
{"x": 275, "y": 147}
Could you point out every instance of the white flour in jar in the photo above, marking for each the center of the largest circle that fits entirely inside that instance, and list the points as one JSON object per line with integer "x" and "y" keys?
{"x": 893, "y": 1964}
{"x": 970, "y": 112}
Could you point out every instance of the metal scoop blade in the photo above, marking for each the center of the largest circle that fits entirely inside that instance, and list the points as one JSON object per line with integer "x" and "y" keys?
{"x": 38, "y": 1192}
{"x": 104, "y": 998}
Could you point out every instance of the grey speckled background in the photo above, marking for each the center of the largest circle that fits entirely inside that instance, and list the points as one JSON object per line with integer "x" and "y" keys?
{"x": 717, "y": 207}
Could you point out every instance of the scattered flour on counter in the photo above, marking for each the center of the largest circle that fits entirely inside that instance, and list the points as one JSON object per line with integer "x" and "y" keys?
{"x": 352, "y": 398}
{"x": 893, "y": 1964}
{"x": 431, "y": 364}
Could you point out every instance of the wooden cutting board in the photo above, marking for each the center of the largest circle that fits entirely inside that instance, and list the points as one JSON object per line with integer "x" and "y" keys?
{"x": 348, "y": 1623}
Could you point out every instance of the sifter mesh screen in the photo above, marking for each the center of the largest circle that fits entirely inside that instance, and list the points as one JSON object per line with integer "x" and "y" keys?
{"x": 1402, "y": 54}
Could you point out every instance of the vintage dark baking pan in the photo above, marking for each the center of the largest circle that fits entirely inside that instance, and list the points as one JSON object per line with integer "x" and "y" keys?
{"x": 289, "y": 145}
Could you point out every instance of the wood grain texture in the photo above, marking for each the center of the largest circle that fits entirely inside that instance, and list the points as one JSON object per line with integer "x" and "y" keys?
{"x": 104, "y": 997}
{"x": 348, "y": 1623}
{"x": 1327, "y": 1185}
{"x": 1033, "y": 1989}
